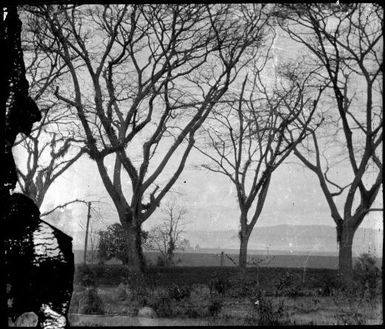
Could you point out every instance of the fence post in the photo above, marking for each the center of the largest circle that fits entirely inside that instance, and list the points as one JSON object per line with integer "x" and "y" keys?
{"x": 222, "y": 258}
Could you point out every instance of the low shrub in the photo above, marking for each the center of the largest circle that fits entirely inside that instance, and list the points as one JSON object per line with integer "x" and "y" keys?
{"x": 162, "y": 307}
{"x": 219, "y": 284}
{"x": 286, "y": 286}
{"x": 196, "y": 311}
{"x": 215, "y": 306}
{"x": 243, "y": 288}
{"x": 367, "y": 273}
{"x": 200, "y": 291}
{"x": 329, "y": 284}
{"x": 140, "y": 297}
{"x": 354, "y": 303}
{"x": 90, "y": 302}
{"x": 348, "y": 307}
{"x": 179, "y": 292}
{"x": 137, "y": 284}
{"x": 265, "y": 313}
{"x": 121, "y": 292}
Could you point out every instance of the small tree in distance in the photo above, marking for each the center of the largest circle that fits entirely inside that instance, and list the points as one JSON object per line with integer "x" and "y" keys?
{"x": 167, "y": 237}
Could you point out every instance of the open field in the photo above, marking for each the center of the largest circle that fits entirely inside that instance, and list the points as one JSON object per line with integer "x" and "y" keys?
{"x": 202, "y": 259}
{"x": 221, "y": 296}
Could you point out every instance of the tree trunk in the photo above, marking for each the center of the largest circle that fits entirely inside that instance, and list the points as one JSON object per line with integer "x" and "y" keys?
{"x": 243, "y": 250}
{"x": 135, "y": 258}
{"x": 345, "y": 258}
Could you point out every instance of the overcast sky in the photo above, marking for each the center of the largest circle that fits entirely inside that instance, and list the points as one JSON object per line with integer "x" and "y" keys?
{"x": 294, "y": 197}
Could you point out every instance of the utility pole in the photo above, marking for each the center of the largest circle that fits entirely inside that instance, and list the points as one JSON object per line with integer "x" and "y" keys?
{"x": 86, "y": 239}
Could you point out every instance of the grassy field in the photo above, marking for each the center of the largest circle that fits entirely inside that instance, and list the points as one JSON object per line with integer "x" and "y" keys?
{"x": 111, "y": 295}
{"x": 203, "y": 259}
{"x": 206, "y": 259}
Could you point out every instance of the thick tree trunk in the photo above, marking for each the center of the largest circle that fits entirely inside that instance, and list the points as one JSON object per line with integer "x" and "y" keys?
{"x": 345, "y": 258}
{"x": 243, "y": 250}
{"x": 135, "y": 258}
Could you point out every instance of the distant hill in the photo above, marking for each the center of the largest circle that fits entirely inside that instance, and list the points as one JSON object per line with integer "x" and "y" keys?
{"x": 294, "y": 239}
{"x": 311, "y": 243}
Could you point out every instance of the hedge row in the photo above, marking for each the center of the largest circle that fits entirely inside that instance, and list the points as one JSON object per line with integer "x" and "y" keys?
{"x": 111, "y": 275}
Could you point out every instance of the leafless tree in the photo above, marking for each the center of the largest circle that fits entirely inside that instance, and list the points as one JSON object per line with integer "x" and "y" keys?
{"x": 44, "y": 160}
{"x": 52, "y": 147}
{"x": 249, "y": 137}
{"x": 346, "y": 43}
{"x": 167, "y": 237}
{"x": 142, "y": 79}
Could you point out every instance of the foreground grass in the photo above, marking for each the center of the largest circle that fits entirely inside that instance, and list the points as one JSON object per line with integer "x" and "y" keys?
{"x": 225, "y": 296}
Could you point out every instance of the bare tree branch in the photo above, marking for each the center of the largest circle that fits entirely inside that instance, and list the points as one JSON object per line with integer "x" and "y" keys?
{"x": 62, "y": 206}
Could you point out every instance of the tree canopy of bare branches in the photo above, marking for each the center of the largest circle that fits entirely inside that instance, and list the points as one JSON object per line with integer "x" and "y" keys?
{"x": 251, "y": 134}
{"x": 53, "y": 145}
{"x": 142, "y": 79}
{"x": 346, "y": 44}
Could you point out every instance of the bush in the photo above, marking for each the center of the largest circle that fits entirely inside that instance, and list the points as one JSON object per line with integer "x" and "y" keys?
{"x": 178, "y": 293}
{"x": 140, "y": 296}
{"x": 219, "y": 284}
{"x": 137, "y": 284}
{"x": 90, "y": 302}
{"x": 327, "y": 284}
{"x": 366, "y": 272}
{"x": 243, "y": 288}
{"x": 266, "y": 314}
{"x": 286, "y": 286}
{"x": 200, "y": 292}
{"x": 121, "y": 292}
{"x": 162, "y": 307}
{"x": 215, "y": 306}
